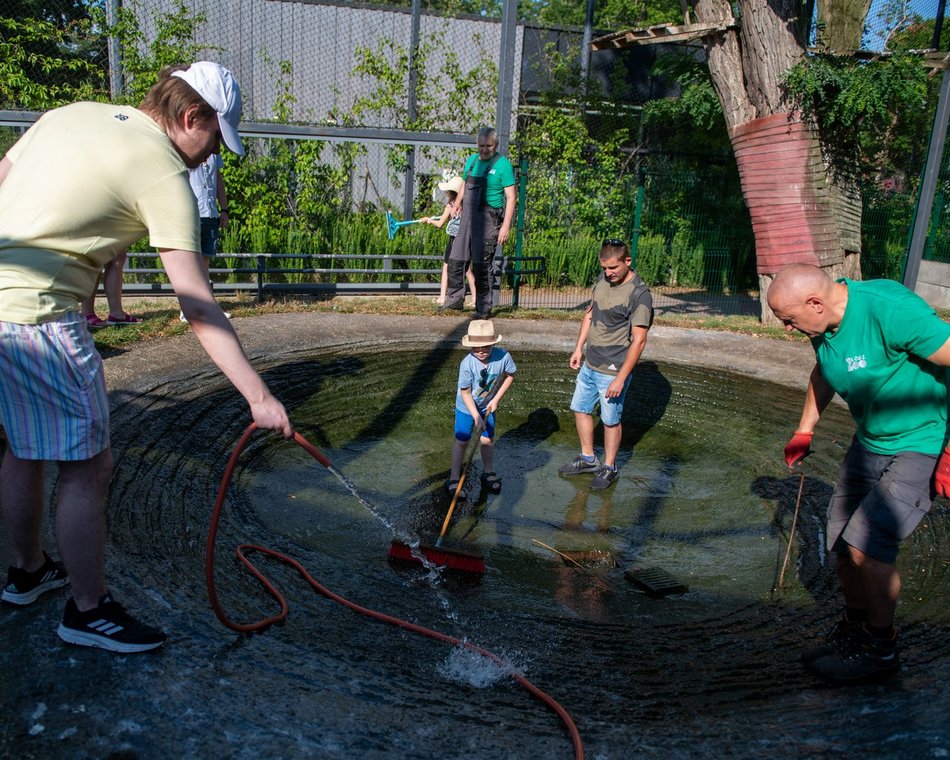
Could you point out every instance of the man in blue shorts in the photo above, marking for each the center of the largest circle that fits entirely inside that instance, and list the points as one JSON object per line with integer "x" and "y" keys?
{"x": 614, "y": 331}
{"x": 884, "y": 351}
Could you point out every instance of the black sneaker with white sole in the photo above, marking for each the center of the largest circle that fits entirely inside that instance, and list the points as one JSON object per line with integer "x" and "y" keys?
{"x": 108, "y": 626}
{"x": 24, "y": 588}
{"x": 862, "y": 659}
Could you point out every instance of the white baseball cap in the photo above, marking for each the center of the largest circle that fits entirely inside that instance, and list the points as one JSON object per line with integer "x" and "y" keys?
{"x": 220, "y": 90}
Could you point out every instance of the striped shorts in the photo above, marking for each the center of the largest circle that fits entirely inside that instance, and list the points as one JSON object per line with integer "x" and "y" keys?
{"x": 53, "y": 402}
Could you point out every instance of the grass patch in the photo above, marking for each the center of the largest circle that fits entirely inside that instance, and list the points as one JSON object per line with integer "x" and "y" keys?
{"x": 160, "y": 315}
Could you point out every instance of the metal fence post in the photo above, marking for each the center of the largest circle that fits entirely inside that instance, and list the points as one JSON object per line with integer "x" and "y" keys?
{"x": 261, "y": 264}
{"x": 519, "y": 230}
{"x": 928, "y": 186}
{"x": 637, "y": 215}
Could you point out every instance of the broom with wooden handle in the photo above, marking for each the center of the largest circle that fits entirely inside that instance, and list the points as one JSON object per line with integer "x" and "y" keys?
{"x": 465, "y": 559}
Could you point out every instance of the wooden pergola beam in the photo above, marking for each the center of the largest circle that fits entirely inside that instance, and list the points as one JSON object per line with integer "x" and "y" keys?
{"x": 656, "y": 34}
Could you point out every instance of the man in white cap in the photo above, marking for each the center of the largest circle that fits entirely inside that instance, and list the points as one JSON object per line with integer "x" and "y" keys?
{"x": 81, "y": 185}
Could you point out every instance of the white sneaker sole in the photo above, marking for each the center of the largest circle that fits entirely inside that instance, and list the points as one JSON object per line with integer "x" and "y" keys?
{"x": 84, "y": 639}
{"x": 28, "y": 597}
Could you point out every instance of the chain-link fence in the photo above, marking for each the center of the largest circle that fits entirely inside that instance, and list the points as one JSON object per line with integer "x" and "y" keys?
{"x": 353, "y": 109}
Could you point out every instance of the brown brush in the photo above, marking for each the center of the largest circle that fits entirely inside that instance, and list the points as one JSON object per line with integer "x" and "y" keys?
{"x": 464, "y": 559}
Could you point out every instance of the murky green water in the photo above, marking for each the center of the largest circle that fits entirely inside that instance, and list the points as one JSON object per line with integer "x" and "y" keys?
{"x": 703, "y": 494}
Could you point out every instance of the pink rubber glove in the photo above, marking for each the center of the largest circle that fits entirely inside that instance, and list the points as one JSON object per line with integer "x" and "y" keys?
{"x": 942, "y": 474}
{"x": 799, "y": 447}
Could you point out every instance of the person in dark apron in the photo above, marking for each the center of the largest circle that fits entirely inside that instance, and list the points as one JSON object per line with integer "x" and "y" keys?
{"x": 483, "y": 227}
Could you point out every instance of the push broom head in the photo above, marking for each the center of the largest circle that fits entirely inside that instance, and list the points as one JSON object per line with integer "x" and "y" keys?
{"x": 458, "y": 558}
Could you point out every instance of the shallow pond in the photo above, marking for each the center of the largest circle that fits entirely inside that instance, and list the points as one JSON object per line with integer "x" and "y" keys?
{"x": 703, "y": 495}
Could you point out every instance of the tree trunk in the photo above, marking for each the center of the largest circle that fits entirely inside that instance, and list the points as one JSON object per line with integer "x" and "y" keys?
{"x": 803, "y": 211}
{"x": 842, "y": 24}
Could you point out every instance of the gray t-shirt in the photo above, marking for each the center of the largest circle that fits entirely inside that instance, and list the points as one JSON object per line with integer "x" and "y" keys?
{"x": 616, "y": 309}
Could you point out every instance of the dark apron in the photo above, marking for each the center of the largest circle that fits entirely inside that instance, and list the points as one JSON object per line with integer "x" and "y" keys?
{"x": 476, "y": 241}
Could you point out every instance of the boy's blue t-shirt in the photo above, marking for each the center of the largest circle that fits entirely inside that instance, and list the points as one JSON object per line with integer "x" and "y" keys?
{"x": 483, "y": 379}
{"x": 877, "y": 362}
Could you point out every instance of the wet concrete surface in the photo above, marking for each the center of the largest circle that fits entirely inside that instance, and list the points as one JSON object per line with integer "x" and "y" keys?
{"x": 712, "y": 673}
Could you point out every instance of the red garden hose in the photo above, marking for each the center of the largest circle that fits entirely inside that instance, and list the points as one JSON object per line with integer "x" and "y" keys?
{"x": 243, "y": 549}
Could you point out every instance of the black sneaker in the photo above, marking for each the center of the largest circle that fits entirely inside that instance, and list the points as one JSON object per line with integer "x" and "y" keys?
{"x": 863, "y": 660}
{"x": 580, "y": 466}
{"x": 108, "y": 626}
{"x": 839, "y": 638}
{"x": 24, "y": 588}
{"x": 604, "y": 478}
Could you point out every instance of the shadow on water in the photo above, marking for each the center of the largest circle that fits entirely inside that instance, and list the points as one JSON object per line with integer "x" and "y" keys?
{"x": 704, "y": 494}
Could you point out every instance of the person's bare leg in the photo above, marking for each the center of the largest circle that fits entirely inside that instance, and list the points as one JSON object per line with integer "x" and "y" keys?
{"x": 81, "y": 525}
{"x": 443, "y": 284}
{"x": 488, "y": 454}
{"x": 88, "y": 304}
{"x": 470, "y": 278}
{"x": 458, "y": 451}
{"x": 869, "y": 584}
{"x": 585, "y": 432}
{"x": 612, "y": 434}
{"x": 21, "y": 501}
{"x": 112, "y": 283}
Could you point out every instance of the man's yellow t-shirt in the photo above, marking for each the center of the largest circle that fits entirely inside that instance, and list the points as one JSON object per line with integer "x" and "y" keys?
{"x": 87, "y": 180}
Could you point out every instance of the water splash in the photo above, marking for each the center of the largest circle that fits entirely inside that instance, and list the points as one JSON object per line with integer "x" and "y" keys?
{"x": 349, "y": 485}
{"x": 473, "y": 669}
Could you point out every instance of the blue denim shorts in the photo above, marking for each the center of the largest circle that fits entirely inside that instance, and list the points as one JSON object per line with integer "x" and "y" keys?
{"x": 878, "y": 500}
{"x": 464, "y": 425}
{"x": 589, "y": 390}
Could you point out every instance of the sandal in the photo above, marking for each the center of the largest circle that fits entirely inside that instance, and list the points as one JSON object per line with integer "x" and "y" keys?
{"x": 451, "y": 486}
{"x": 492, "y": 482}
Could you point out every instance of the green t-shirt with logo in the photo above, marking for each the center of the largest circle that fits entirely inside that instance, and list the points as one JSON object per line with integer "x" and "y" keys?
{"x": 877, "y": 362}
{"x": 501, "y": 175}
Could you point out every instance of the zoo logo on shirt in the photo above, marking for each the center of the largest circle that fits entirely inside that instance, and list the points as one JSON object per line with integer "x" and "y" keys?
{"x": 856, "y": 362}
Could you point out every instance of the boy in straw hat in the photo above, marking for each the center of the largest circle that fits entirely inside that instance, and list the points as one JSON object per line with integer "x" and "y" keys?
{"x": 485, "y": 375}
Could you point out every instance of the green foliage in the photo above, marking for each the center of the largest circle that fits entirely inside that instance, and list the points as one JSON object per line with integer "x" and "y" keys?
{"x": 884, "y": 226}
{"x": 692, "y": 121}
{"x": 143, "y": 56}
{"x": 447, "y": 98}
{"x": 608, "y": 14}
{"x": 39, "y": 67}
{"x": 878, "y": 111}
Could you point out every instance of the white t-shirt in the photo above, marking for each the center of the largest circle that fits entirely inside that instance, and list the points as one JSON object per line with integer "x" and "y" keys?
{"x": 204, "y": 184}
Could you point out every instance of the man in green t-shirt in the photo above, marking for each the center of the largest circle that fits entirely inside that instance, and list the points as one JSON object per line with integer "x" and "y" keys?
{"x": 486, "y": 206}
{"x": 884, "y": 351}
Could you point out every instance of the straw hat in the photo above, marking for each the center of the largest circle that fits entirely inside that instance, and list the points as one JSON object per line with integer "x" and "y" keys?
{"x": 452, "y": 185}
{"x": 481, "y": 332}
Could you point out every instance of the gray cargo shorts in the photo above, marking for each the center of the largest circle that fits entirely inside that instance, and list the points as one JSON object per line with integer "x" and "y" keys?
{"x": 878, "y": 500}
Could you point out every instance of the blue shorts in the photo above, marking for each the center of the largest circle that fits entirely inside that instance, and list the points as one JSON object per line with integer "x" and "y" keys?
{"x": 210, "y": 228}
{"x": 589, "y": 390}
{"x": 464, "y": 424}
{"x": 53, "y": 402}
{"x": 878, "y": 500}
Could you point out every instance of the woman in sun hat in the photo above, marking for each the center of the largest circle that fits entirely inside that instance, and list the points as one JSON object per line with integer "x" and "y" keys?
{"x": 485, "y": 375}
{"x": 451, "y": 189}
